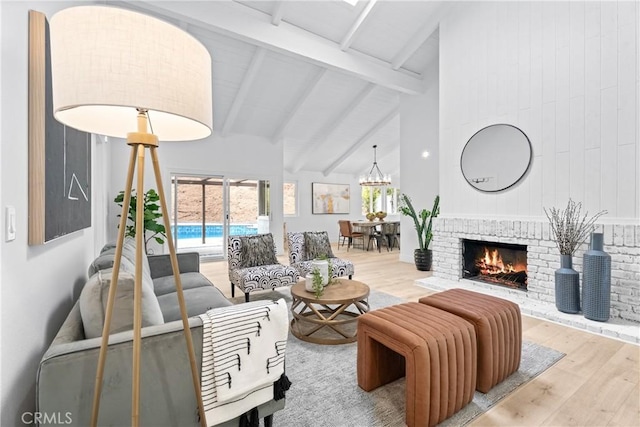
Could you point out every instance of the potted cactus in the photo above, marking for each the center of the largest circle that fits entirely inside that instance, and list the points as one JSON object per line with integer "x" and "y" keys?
{"x": 422, "y": 222}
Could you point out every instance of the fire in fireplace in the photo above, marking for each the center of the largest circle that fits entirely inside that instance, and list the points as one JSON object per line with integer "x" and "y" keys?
{"x": 498, "y": 263}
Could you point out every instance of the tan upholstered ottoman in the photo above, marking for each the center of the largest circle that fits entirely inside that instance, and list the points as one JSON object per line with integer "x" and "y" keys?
{"x": 498, "y": 330}
{"x": 435, "y": 350}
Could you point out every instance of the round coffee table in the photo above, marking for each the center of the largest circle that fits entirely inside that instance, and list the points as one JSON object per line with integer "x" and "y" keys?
{"x": 332, "y": 318}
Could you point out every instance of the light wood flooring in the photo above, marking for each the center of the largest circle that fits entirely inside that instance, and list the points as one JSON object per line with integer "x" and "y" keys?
{"x": 595, "y": 384}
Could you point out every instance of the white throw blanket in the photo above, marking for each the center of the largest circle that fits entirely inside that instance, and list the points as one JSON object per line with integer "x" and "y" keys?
{"x": 243, "y": 352}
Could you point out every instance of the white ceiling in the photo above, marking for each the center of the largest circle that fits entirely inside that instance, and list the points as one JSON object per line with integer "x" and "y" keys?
{"x": 324, "y": 77}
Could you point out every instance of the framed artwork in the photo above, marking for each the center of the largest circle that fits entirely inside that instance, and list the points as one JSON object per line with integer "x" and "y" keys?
{"x": 330, "y": 198}
{"x": 59, "y": 156}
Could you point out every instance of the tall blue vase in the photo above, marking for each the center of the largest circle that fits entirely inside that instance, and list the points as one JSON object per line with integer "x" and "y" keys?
{"x": 596, "y": 281}
{"x": 567, "y": 286}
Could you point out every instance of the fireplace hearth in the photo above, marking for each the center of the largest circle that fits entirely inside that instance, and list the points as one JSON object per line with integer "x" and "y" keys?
{"x": 502, "y": 264}
{"x": 621, "y": 241}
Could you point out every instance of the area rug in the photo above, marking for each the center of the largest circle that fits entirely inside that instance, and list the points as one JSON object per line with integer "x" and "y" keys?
{"x": 325, "y": 391}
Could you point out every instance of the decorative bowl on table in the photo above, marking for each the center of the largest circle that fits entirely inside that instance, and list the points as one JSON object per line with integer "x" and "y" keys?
{"x": 381, "y": 215}
{"x": 371, "y": 216}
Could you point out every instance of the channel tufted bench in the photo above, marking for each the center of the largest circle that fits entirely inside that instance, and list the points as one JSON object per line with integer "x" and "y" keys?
{"x": 435, "y": 350}
{"x": 498, "y": 328}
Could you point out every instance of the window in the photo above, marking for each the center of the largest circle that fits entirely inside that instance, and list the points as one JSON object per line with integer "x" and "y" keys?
{"x": 393, "y": 196}
{"x": 376, "y": 199}
{"x": 290, "y": 198}
{"x": 370, "y": 199}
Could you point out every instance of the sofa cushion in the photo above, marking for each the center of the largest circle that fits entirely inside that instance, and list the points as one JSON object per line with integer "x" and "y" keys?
{"x": 198, "y": 301}
{"x": 257, "y": 250}
{"x": 107, "y": 254}
{"x": 104, "y": 261}
{"x": 166, "y": 284}
{"x": 93, "y": 304}
{"x": 317, "y": 245}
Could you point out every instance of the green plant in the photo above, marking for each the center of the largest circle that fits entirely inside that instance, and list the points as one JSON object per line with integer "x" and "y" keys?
{"x": 318, "y": 288}
{"x": 569, "y": 227}
{"x": 422, "y": 220}
{"x": 153, "y": 229}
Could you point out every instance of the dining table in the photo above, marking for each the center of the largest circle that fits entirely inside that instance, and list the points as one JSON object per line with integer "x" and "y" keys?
{"x": 368, "y": 228}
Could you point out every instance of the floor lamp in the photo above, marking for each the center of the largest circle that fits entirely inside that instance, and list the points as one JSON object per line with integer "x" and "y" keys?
{"x": 118, "y": 73}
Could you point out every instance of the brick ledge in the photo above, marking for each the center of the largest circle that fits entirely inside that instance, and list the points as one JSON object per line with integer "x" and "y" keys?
{"x": 615, "y": 328}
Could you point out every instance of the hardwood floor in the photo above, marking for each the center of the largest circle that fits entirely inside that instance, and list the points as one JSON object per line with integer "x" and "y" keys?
{"x": 597, "y": 383}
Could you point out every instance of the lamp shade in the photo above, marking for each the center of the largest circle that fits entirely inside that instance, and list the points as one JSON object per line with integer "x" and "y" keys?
{"x": 107, "y": 62}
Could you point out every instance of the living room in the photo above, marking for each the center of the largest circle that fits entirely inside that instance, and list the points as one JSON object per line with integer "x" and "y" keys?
{"x": 498, "y": 63}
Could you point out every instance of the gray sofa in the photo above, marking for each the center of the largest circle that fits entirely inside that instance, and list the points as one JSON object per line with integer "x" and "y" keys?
{"x": 66, "y": 374}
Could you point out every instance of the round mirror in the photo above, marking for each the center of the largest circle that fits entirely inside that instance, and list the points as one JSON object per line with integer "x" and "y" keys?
{"x": 496, "y": 157}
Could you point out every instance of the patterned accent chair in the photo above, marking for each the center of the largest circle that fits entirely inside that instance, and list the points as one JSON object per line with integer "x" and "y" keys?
{"x": 304, "y": 247}
{"x": 253, "y": 265}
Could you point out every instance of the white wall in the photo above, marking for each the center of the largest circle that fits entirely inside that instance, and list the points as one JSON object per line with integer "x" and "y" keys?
{"x": 238, "y": 156}
{"x": 306, "y": 220}
{"x": 1, "y": 216}
{"x": 39, "y": 283}
{"x": 419, "y": 177}
{"x": 566, "y": 73}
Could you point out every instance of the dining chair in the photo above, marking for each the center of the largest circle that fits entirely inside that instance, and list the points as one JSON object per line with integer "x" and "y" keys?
{"x": 372, "y": 236}
{"x": 347, "y": 233}
{"x": 387, "y": 236}
{"x": 393, "y": 235}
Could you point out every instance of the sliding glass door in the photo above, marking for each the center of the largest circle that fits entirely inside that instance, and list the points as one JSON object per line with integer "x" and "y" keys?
{"x": 198, "y": 214}
{"x": 208, "y": 209}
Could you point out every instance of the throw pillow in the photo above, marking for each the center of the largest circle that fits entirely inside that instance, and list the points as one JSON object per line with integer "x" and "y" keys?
{"x": 93, "y": 304}
{"x": 105, "y": 259}
{"x": 317, "y": 245}
{"x": 257, "y": 250}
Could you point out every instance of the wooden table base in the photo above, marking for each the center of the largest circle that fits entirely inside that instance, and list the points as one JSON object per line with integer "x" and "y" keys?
{"x": 332, "y": 318}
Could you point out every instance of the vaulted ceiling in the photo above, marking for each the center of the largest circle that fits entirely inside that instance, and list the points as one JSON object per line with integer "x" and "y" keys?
{"x": 323, "y": 77}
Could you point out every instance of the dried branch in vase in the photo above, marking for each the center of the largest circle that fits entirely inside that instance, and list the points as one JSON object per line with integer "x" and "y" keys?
{"x": 569, "y": 227}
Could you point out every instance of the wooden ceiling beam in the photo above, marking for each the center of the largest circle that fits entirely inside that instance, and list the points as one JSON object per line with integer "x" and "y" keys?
{"x": 419, "y": 37}
{"x": 243, "y": 91}
{"x": 232, "y": 19}
{"x": 357, "y": 26}
{"x": 278, "y": 13}
{"x": 309, "y": 88}
{"x": 331, "y": 126}
{"x": 368, "y": 135}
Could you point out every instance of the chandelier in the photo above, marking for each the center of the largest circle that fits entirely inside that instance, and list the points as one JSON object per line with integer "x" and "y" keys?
{"x": 375, "y": 177}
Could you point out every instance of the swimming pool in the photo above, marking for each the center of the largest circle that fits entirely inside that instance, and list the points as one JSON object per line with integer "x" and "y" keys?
{"x": 194, "y": 231}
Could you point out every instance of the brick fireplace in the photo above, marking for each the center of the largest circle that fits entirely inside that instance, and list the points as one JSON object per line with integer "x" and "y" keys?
{"x": 502, "y": 264}
{"x": 622, "y": 242}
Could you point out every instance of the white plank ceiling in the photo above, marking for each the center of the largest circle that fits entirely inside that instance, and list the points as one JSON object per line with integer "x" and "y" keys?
{"x": 323, "y": 77}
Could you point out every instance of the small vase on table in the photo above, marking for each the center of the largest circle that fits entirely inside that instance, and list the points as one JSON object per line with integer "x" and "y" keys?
{"x": 323, "y": 266}
{"x": 308, "y": 282}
